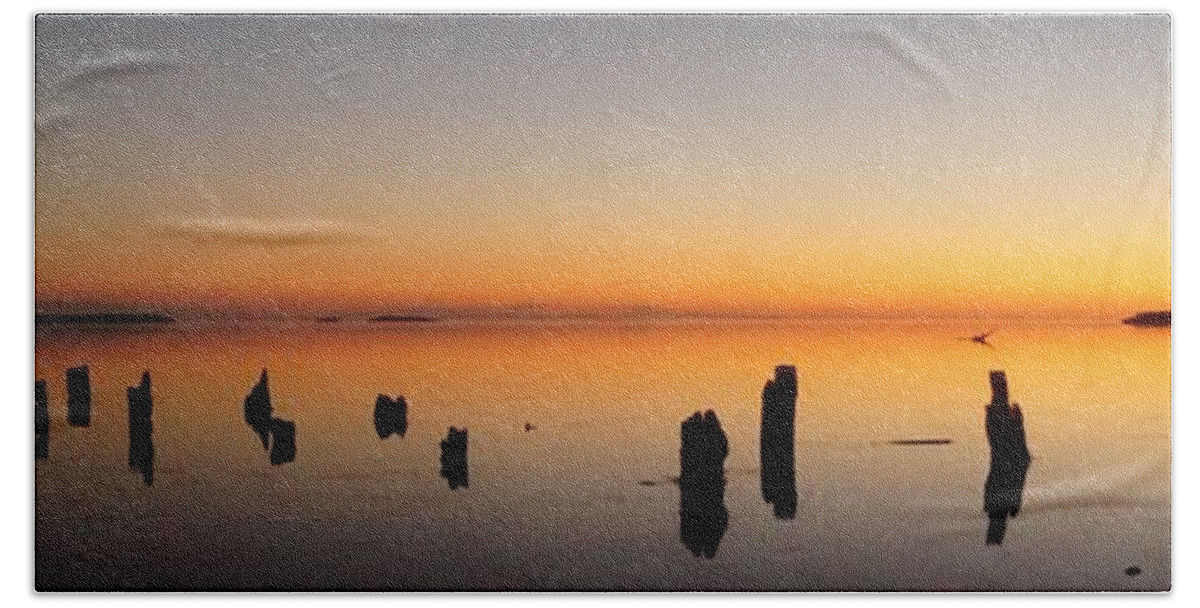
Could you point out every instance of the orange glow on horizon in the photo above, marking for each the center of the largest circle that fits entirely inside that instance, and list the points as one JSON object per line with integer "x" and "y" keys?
{"x": 742, "y": 276}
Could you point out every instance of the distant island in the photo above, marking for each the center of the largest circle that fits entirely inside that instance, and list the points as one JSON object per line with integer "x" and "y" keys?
{"x": 105, "y": 318}
{"x": 1157, "y": 318}
{"x": 402, "y": 319}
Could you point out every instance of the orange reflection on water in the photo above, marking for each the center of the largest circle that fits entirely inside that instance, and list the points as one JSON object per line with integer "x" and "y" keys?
{"x": 607, "y": 399}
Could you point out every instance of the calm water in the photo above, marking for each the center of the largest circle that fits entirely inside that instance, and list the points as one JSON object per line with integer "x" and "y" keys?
{"x": 586, "y": 500}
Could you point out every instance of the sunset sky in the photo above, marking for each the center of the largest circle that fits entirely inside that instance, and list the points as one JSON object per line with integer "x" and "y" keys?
{"x": 809, "y": 165}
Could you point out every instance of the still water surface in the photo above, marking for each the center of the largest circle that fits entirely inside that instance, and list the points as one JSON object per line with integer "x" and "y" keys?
{"x": 586, "y": 500}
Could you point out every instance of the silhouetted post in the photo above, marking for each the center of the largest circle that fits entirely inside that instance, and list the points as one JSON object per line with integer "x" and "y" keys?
{"x": 258, "y": 409}
{"x": 454, "y": 458}
{"x": 703, "y": 517}
{"x": 391, "y": 416}
{"x": 999, "y": 388}
{"x": 777, "y": 442}
{"x": 1010, "y": 460}
{"x": 79, "y": 397}
{"x": 41, "y": 421}
{"x": 141, "y": 428}
{"x": 283, "y": 441}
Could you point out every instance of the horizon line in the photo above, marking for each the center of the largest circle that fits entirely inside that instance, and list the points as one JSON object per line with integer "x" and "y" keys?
{"x": 535, "y": 314}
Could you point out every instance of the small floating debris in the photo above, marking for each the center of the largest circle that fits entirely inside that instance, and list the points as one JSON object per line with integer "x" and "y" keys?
{"x": 530, "y": 427}
{"x": 1133, "y": 571}
{"x": 920, "y": 442}
{"x": 981, "y": 338}
{"x": 402, "y": 319}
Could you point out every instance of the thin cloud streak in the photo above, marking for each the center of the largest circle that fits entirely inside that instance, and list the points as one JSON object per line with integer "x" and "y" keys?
{"x": 262, "y": 231}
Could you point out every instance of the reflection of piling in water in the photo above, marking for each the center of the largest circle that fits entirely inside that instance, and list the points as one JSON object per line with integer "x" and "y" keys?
{"x": 703, "y": 517}
{"x": 454, "y": 458}
{"x": 79, "y": 397}
{"x": 283, "y": 441}
{"x": 1010, "y": 460}
{"x": 258, "y": 409}
{"x": 41, "y": 421}
{"x": 778, "y": 439}
{"x": 391, "y": 416}
{"x": 141, "y": 427}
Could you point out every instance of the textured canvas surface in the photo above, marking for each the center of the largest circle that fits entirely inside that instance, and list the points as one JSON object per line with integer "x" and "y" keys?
{"x": 603, "y": 302}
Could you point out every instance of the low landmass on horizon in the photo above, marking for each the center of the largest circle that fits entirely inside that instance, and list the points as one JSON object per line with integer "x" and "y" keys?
{"x": 1158, "y": 318}
{"x": 105, "y": 318}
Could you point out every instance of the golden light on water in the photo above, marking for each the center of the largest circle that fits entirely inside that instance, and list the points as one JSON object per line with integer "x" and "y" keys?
{"x": 594, "y": 477}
